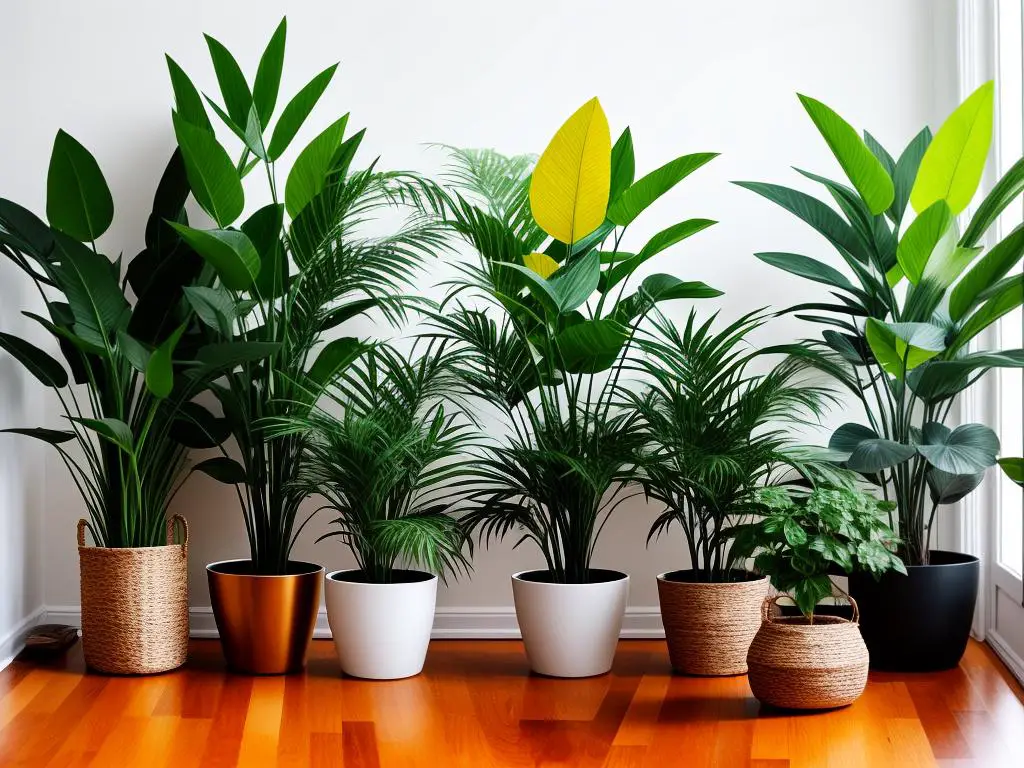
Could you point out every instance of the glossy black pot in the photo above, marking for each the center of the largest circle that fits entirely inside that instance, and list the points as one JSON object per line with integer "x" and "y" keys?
{"x": 920, "y": 622}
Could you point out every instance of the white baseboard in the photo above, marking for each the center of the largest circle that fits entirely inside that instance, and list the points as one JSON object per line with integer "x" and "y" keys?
{"x": 12, "y": 643}
{"x": 450, "y": 623}
{"x": 1003, "y": 650}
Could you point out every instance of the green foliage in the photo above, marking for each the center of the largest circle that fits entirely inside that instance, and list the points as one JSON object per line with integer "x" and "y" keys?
{"x": 913, "y": 294}
{"x": 547, "y": 353}
{"x": 801, "y": 538}
{"x": 715, "y": 433}
{"x": 279, "y": 281}
{"x": 388, "y": 463}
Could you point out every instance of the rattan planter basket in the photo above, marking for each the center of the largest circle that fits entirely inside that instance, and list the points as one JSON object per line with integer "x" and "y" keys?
{"x": 796, "y": 665}
{"x": 708, "y": 627}
{"x": 135, "y": 605}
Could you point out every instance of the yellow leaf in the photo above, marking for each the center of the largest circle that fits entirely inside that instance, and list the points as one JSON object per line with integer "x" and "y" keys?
{"x": 570, "y": 185}
{"x": 540, "y": 263}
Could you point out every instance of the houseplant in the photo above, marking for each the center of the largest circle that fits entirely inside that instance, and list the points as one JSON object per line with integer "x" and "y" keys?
{"x": 383, "y": 459}
{"x": 897, "y": 336}
{"x": 137, "y": 365}
{"x": 547, "y": 357}
{"x": 716, "y": 434}
{"x": 293, "y": 270}
{"x": 809, "y": 661}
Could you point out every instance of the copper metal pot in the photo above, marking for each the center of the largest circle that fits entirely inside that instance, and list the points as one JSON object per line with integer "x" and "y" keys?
{"x": 265, "y": 622}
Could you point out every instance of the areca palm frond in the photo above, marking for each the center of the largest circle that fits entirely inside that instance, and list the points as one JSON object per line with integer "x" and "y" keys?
{"x": 388, "y": 465}
{"x": 716, "y": 432}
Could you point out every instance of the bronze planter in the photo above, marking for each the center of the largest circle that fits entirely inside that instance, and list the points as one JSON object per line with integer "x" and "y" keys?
{"x": 265, "y": 622}
{"x": 709, "y": 626}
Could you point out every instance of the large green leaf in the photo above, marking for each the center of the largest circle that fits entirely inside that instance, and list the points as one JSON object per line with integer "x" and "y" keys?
{"x": 901, "y": 347}
{"x": 94, "y": 295}
{"x": 859, "y": 164}
{"x": 955, "y": 160}
{"x": 1004, "y": 297}
{"x": 51, "y": 436}
{"x": 211, "y": 174}
{"x": 111, "y": 429}
{"x": 539, "y": 288}
{"x": 233, "y": 87}
{"x": 575, "y": 283}
{"x": 214, "y": 306}
{"x": 223, "y": 470}
{"x": 1004, "y": 192}
{"x": 45, "y": 368}
{"x": 591, "y": 346}
{"x": 134, "y": 351}
{"x": 623, "y": 166}
{"x": 187, "y": 102}
{"x": 268, "y": 75}
{"x": 921, "y": 238}
{"x": 263, "y": 229}
{"x": 812, "y": 269}
{"x": 874, "y": 455}
{"x": 664, "y": 239}
{"x": 906, "y": 171}
{"x": 78, "y": 200}
{"x": 965, "y": 450}
{"x": 847, "y": 437}
{"x": 990, "y": 268}
{"x": 638, "y": 196}
{"x": 228, "y": 251}
{"x": 940, "y": 379}
{"x": 311, "y": 168}
{"x": 335, "y": 356}
{"x": 296, "y": 112}
{"x": 948, "y": 488}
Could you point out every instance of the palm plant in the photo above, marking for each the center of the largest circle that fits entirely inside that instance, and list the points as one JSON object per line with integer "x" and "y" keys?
{"x": 716, "y": 433}
{"x": 899, "y": 333}
{"x": 549, "y": 362}
{"x": 294, "y": 269}
{"x": 139, "y": 363}
{"x": 386, "y": 465}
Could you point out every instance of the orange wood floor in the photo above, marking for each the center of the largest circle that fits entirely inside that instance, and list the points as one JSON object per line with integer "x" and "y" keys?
{"x": 476, "y": 705}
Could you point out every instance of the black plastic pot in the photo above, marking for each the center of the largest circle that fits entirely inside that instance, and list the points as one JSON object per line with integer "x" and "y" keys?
{"x": 919, "y": 622}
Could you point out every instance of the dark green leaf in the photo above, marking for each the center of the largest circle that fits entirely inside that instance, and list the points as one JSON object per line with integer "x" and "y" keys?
{"x": 623, "y": 165}
{"x": 45, "y": 368}
{"x": 133, "y": 351}
{"x": 335, "y": 356}
{"x": 575, "y": 283}
{"x": 1004, "y": 192}
{"x": 268, "y": 75}
{"x": 591, "y": 346}
{"x": 991, "y": 268}
{"x": 947, "y": 488}
{"x": 264, "y": 229}
{"x": 114, "y": 430}
{"x": 296, "y": 112}
{"x": 872, "y": 456}
{"x": 906, "y": 171}
{"x": 233, "y": 86}
{"x": 228, "y": 251}
{"x": 812, "y": 269}
{"x": 664, "y": 239}
{"x": 1014, "y": 469}
{"x": 78, "y": 200}
{"x": 967, "y": 449}
{"x": 196, "y": 427}
{"x": 638, "y": 196}
{"x": 160, "y": 370}
{"x": 223, "y": 470}
{"x": 311, "y": 168}
{"x": 211, "y": 174}
{"x": 214, "y": 306}
{"x": 187, "y": 102}
{"x": 51, "y": 436}
{"x": 93, "y": 292}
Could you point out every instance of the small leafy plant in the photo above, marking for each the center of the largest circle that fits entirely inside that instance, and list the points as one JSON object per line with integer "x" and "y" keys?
{"x": 802, "y": 537}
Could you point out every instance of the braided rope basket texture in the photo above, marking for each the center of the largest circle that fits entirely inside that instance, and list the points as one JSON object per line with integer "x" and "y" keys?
{"x": 709, "y": 627}
{"x": 795, "y": 665}
{"x": 135, "y": 605}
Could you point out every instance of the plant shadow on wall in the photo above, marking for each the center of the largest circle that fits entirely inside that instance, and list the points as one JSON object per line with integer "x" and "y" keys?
{"x": 387, "y": 456}
{"x": 548, "y": 358}
{"x": 292, "y": 271}
{"x": 898, "y": 336}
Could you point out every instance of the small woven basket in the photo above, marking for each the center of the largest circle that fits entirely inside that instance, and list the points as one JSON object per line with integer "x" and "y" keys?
{"x": 796, "y": 665}
{"x": 135, "y": 605}
{"x": 708, "y": 627}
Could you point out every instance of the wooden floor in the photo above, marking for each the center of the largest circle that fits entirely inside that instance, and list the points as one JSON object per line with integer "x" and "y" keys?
{"x": 476, "y": 705}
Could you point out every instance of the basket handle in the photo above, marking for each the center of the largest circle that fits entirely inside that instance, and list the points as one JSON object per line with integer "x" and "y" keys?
{"x": 82, "y": 524}
{"x": 184, "y": 531}
{"x": 766, "y": 606}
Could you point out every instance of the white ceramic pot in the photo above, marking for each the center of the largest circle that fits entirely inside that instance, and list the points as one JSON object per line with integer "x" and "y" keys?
{"x": 381, "y": 631}
{"x": 570, "y": 630}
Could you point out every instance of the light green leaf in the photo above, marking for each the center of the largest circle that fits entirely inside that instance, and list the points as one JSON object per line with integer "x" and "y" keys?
{"x": 922, "y": 237}
{"x": 861, "y": 167}
{"x": 78, "y": 200}
{"x": 114, "y": 430}
{"x": 901, "y": 347}
{"x": 296, "y": 112}
{"x": 160, "y": 370}
{"x": 638, "y": 196}
{"x": 228, "y": 251}
{"x": 955, "y": 160}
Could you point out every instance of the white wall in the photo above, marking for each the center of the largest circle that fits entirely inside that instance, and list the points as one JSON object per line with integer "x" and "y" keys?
{"x": 685, "y": 76}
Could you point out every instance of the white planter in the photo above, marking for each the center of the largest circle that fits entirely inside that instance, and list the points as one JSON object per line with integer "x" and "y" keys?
{"x": 570, "y": 630}
{"x": 381, "y": 631}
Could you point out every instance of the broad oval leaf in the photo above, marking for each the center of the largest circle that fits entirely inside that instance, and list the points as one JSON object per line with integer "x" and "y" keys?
{"x": 228, "y": 251}
{"x": 948, "y": 488}
{"x": 213, "y": 306}
{"x": 872, "y": 456}
{"x": 847, "y": 437}
{"x": 94, "y": 295}
{"x": 309, "y": 173}
{"x": 335, "y": 356}
{"x": 223, "y": 470}
{"x": 632, "y": 202}
{"x": 591, "y": 346}
{"x": 296, "y": 112}
{"x": 965, "y": 450}
{"x": 541, "y": 263}
{"x": 571, "y": 182}
{"x": 196, "y": 427}
{"x": 78, "y": 200}
{"x": 37, "y": 362}
{"x": 952, "y": 166}
{"x": 922, "y": 236}
{"x": 215, "y": 183}
{"x": 1013, "y": 467}
{"x": 860, "y": 165}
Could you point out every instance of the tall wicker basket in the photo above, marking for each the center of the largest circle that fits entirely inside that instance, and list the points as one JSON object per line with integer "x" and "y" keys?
{"x": 135, "y": 605}
{"x": 796, "y": 665}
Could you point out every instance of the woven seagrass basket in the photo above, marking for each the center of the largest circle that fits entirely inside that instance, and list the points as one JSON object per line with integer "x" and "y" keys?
{"x": 796, "y": 665}
{"x": 135, "y": 605}
{"x": 709, "y": 626}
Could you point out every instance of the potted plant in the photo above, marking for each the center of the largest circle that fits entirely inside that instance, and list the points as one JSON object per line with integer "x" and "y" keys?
{"x": 813, "y": 661}
{"x": 385, "y": 459}
{"x": 899, "y": 336}
{"x": 716, "y": 434}
{"x": 138, "y": 366}
{"x": 548, "y": 359}
{"x": 293, "y": 270}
